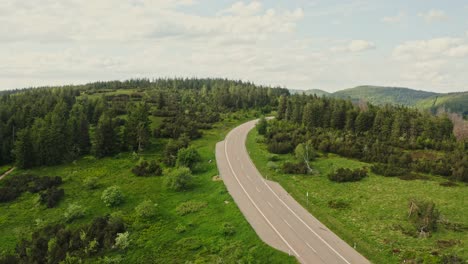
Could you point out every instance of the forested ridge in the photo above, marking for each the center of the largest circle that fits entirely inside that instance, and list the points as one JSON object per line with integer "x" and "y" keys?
{"x": 51, "y": 125}
{"x": 396, "y": 138}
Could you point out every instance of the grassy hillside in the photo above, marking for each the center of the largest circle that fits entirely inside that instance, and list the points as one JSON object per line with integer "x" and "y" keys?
{"x": 317, "y": 92}
{"x": 169, "y": 237}
{"x": 372, "y": 214}
{"x": 452, "y": 102}
{"x": 384, "y": 95}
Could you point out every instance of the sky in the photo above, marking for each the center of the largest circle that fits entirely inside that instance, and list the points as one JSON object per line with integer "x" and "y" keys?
{"x": 298, "y": 44}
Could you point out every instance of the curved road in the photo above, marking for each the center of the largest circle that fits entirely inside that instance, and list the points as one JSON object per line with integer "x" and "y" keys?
{"x": 277, "y": 218}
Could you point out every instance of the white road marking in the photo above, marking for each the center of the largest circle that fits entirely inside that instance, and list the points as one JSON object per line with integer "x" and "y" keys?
{"x": 258, "y": 190}
{"x": 311, "y": 247}
{"x": 287, "y": 223}
{"x": 270, "y": 204}
{"x": 300, "y": 219}
{"x": 255, "y": 205}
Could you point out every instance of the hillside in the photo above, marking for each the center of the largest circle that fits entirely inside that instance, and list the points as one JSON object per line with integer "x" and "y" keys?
{"x": 384, "y": 95}
{"x": 452, "y": 102}
{"x": 380, "y": 95}
{"x": 318, "y": 92}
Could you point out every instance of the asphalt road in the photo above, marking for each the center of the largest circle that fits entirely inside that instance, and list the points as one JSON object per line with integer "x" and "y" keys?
{"x": 276, "y": 217}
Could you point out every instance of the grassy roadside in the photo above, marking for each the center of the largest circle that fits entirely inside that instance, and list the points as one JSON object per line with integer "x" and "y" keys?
{"x": 170, "y": 237}
{"x": 377, "y": 207}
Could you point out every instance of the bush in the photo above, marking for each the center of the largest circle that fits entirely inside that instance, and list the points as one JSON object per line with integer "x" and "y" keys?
{"x": 112, "y": 196}
{"x": 228, "y": 229}
{"x": 187, "y": 157}
{"x": 179, "y": 179}
{"x": 272, "y": 165}
{"x": 180, "y": 228}
{"x": 122, "y": 241}
{"x": 144, "y": 168}
{"x": 273, "y": 157}
{"x": 51, "y": 197}
{"x": 146, "y": 209}
{"x": 262, "y": 126}
{"x": 74, "y": 211}
{"x": 190, "y": 207}
{"x": 423, "y": 215}
{"x": 388, "y": 170}
{"x": 295, "y": 168}
{"x": 277, "y": 147}
{"x": 348, "y": 175}
{"x": 91, "y": 183}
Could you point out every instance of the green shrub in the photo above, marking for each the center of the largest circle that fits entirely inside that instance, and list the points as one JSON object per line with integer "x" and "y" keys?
{"x": 348, "y": 175}
{"x": 180, "y": 228}
{"x": 424, "y": 216}
{"x": 74, "y": 211}
{"x": 273, "y": 157}
{"x": 388, "y": 170}
{"x": 190, "y": 207}
{"x": 91, "y": 183}
{"x": 51, "y": 197}
{"x": 112, "y": 196}
{"x": 187, "y": 157}
{"x": 179, "y": 179}
{"x": 295, "y": 168}
{"x": 122, "y": 241}
{"x": 228, "y": 229}
{"x": 145, "y": 168}
{"x": 146, "y": 209}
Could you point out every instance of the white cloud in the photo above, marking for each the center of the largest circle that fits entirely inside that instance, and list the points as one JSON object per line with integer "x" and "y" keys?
{"x": 242, "y": 9}
{"x": 430, "y": 49}
{"x": 437, "y": 62}
{"x": 433, "y": 15}
{"x": 354, "y": 46}
{"x": 394, "y": 19}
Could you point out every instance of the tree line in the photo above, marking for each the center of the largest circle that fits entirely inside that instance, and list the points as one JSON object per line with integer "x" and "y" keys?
{"x": 390, "y": 136}
{"x": 52, "y": 125}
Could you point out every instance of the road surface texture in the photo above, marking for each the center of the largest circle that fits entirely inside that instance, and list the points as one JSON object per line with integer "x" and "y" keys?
{"x": 276, "y": 217}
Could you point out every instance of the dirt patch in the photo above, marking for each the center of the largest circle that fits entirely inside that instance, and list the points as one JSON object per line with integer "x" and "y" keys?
{"x": 217, "y": 178}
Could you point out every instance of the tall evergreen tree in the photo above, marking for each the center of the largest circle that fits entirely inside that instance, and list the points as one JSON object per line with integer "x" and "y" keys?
{"x": 23, "y": 151}
{"x": 137, "y": 128}
{"x": 106, "y": 138}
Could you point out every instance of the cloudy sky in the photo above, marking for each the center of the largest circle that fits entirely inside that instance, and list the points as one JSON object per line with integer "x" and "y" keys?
{"x": 301, "y": 44}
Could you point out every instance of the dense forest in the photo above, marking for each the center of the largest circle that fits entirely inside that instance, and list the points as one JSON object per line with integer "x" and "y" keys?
{"x": 51, "y": 125}
{"x": 58, "y": 125}
{"x": 396, "y": 138}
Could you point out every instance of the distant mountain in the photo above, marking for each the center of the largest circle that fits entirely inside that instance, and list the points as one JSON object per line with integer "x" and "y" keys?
{"x": 452, "y": 102}
{"x": 318, "y": 92}
{"x": 385, "y": 95}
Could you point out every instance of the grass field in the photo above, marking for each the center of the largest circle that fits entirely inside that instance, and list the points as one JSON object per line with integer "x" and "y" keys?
{"x": 170, "y": 237}
{"x": 378, "y": 208}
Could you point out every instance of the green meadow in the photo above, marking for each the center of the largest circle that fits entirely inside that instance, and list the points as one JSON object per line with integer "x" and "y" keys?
{"x": 374, "y": 215}
{"x": 195, "y": 236}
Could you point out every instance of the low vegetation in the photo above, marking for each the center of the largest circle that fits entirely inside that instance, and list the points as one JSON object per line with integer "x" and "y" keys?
{"x": 375, "y": 214}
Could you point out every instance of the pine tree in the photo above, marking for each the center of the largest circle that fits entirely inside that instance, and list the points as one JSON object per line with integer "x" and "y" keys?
{"x": 78, "y": 128}
{"x": 137, "y": 128}
{"x": 106, "y": 138}
{"x": 24, "y": 149}
{"x": 283, "y": 104}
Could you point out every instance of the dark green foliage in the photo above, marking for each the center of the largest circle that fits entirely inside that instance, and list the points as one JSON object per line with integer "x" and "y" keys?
{"x": 51, "y": 197}
{"x": 424, "y": 216}
{"x": 348, "y": 175}
{"x": 137, "y": 127}
{"x": 145, "y": 168}
{"x": 24, "y": 154}
{"x": 187, "y": 157}
{"x": 171, "y": 150}
{"x": 179, "y": 179}
{"x": 52, "y": 244}
{"x": 295, "y": 168}
{"x": 106, "y": 139}
{"x": 262, "y": 126}
{"x": 228, "y": 229}
{"x": 13, "y": 187}
{"x": 388, "y": 170}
